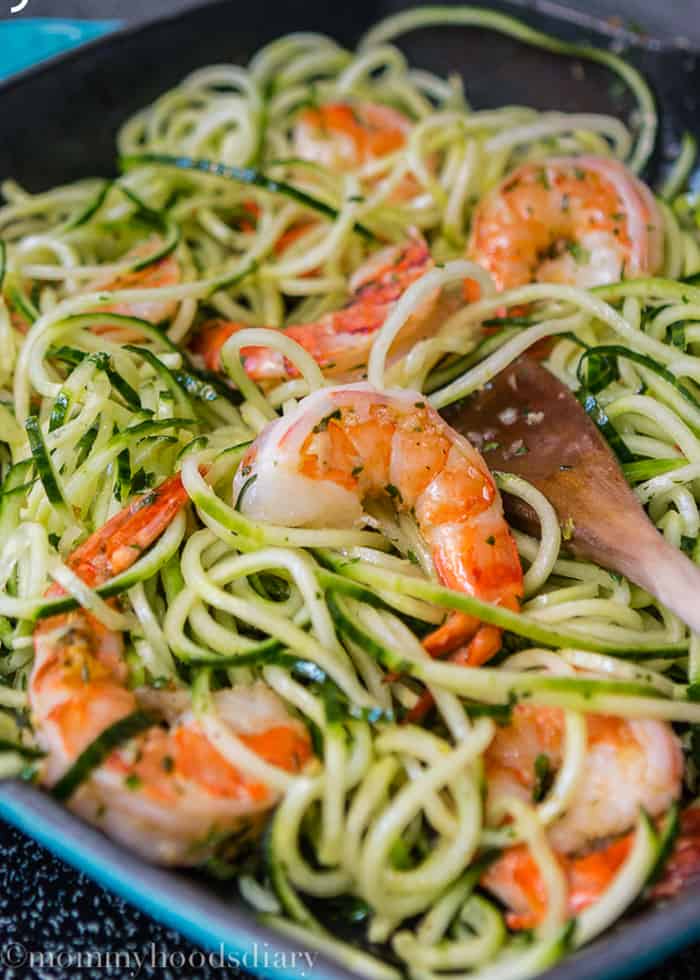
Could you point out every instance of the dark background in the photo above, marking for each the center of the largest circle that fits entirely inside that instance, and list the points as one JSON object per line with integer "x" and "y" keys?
{"x": 662, "y": 18}
{"x": 49, "y": 908}
{"x": 44, "y": 905}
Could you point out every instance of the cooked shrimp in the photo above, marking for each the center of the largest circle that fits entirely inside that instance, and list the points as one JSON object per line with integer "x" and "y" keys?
{"x": 345, "y": 136}
{"x": 316, "y": 466}
{"x": 167, "y": 793}
{"x": 161, "y": 274}
{"x": 584, "y": 220}
{"x": 339, "y": 341}
{"x": 515, "y": 880}
{"x": 629, "y": 765}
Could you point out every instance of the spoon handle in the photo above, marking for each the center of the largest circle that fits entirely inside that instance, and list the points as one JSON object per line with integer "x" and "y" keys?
{"x": 646, "y": 558}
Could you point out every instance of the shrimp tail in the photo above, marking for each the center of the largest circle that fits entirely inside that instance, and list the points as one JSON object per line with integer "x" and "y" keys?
{"x": 117, "y": 545}
{"x": 454, "y": 632}
{"x": 483, "y": 642}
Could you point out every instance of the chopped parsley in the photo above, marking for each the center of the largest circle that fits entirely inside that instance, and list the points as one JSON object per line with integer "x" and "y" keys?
{"x": 326, "y": 420}
{"x": 543, "y": 778}
{"x": 141, "y": 481}
{"x": 688, "y": 545}
{"x": 568, "y": 529}
{"x": 580, "y": 254}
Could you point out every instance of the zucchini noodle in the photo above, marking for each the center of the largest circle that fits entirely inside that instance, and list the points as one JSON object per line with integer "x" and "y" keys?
{"x": 245, "y": 206}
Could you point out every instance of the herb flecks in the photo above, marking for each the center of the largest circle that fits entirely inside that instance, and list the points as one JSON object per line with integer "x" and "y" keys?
{"x": 543, "y": 778}
{"x": 579, "y": 254}
{"x": 568, "y": 529}
{"x": 322, "y": 426}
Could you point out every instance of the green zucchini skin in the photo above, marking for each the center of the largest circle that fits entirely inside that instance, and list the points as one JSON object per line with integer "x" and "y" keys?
{"x": 95, "y": 754}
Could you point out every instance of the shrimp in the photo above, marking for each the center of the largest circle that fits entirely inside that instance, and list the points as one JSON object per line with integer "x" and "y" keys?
{"x": 630, "y": 764}
{"x": 162, "y": 273}
{"x": 159, "y": 275}
{"x": 338, "y": 341}
{"x": 167, "y": 793}
{"x": 348, "y": 137}
{"x": 343, "y": 136}
{"x": 585, "y": 221}
{"x": 342, "y": 446}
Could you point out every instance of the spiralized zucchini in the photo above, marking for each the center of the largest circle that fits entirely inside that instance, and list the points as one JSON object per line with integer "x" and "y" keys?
{"x": 101, "y": 400}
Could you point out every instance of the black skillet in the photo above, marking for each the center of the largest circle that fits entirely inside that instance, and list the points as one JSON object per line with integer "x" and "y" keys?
{"x": 57, "y": 123}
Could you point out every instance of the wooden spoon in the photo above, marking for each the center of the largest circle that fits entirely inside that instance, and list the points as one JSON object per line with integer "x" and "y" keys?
{"x": 527, "y": 422}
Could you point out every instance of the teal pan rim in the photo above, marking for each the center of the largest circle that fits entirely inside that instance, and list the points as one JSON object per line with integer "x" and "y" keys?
{"x": 226, "y": 927}
{"x": 29, "y": 41}
{"x": 172, "y": 898}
